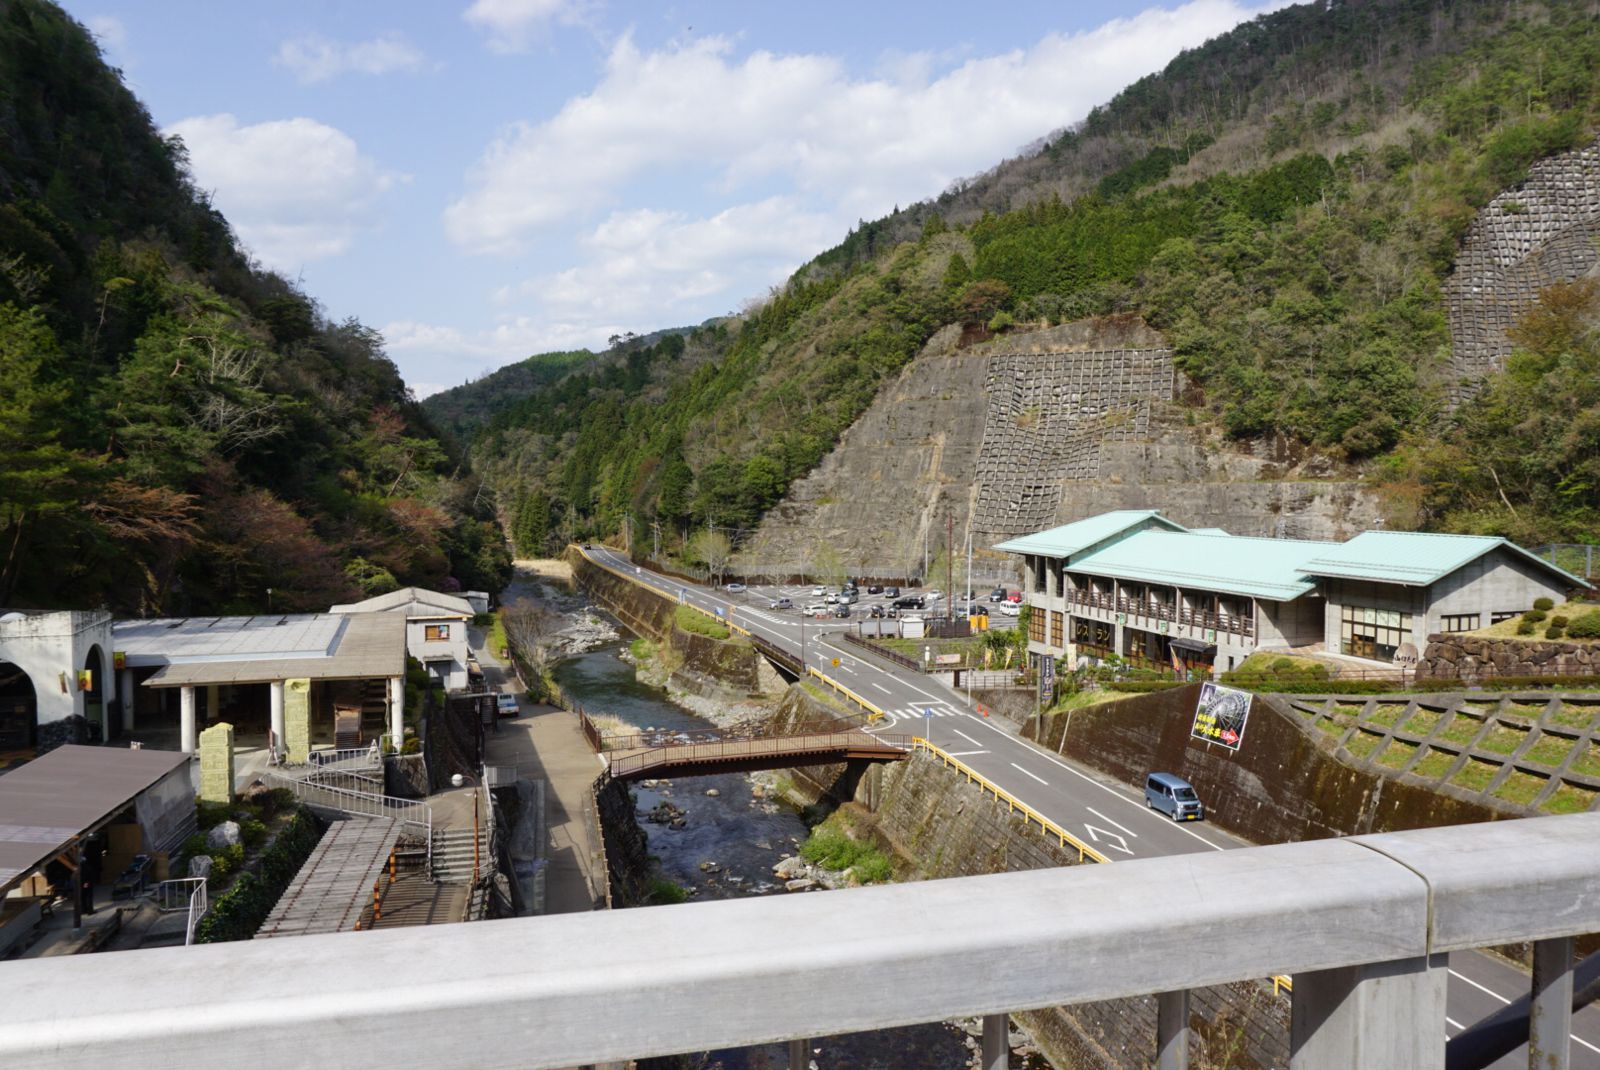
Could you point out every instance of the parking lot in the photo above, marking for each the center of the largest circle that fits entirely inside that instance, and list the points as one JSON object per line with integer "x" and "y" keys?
{"x": 822, "y": 602}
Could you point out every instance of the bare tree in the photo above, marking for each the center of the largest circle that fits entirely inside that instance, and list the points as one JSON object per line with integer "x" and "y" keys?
{"x": 531, "y": 630}
{"x": 714, "y": 549}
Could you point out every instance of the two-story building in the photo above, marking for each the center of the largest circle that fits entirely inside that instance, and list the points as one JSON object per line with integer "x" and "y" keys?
{"x": 1138, "y": 585}
{"x": 436, "y": 629}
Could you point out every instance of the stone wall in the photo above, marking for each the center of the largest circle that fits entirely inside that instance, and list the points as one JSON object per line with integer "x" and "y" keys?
{"x": 1034, "y": 429}
{"x": 1535, "y": 234}
{"x": 627, "y": 847}
{"x": 1469, "y": 657}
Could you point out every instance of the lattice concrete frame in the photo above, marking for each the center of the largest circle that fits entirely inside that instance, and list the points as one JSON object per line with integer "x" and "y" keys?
{"x": 1048, "y": 414}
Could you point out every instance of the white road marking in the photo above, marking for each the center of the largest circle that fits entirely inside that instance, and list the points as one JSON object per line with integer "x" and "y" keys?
{"x": 964, "y": 753}
{"x": 1035, "y": 776}
{"x": 1479, "y": 987}
{"x": 968, "y": 738}
{"x": 1095, "y": 834}
{"x": 880, "y": 687}
{"x": 1108, "y": 821}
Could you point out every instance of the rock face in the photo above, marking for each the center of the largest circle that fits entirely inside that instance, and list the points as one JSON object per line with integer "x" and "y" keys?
{"x": 225, "y": 834}
{"x": 1028, "y": 431}
{"x": 1466, "y": 657}
{"x": 1530, "y": 236}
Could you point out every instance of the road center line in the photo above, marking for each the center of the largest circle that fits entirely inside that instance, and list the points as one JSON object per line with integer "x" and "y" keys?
{"x": 966, "y": 737}
{"x": 880, "y": 687}
{"x": 1106, "y": 819}
{"x": 1035, "y": 776}
{"x": 1479, "y": 987}
{"x": 964, "y": 753}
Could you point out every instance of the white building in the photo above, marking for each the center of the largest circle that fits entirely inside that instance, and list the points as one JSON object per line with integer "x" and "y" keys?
{"x": 436, "y": 629}
{"x": 55, "y": 678}
{"x": 1135, "y": 584}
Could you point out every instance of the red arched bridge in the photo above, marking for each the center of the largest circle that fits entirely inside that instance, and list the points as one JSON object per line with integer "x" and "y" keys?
{"x": 668, "y": 754}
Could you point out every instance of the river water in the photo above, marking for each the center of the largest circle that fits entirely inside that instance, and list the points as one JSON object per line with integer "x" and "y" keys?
{"x": 742, "y": 834}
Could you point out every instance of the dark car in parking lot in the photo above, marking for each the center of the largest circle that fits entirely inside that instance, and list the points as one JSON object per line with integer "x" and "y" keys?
{"x": 843, "y": 610}
{"x": 910, "y": 601}
{"x": 997, "y": 595}
{"x": 892, "y": 592}
{"x": 876, "y": 588}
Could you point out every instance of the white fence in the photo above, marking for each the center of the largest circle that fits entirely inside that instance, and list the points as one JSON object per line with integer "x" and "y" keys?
{"x": 1363, "y": 924}
{"x": 184, "y": 893}
{"x": 415, "y": 816}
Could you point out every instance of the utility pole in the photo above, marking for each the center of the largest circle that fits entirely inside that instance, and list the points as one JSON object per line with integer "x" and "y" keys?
{"x": 949, "y": 564}
{"x": 655, "y": 545}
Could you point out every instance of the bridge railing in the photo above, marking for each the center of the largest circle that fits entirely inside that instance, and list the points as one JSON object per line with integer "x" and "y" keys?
{"x": 626, "y": 765}
{"x": 1363, "y": 923}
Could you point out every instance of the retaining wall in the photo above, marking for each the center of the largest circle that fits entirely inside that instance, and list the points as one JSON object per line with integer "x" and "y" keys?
{"x": 1452, "y": 657}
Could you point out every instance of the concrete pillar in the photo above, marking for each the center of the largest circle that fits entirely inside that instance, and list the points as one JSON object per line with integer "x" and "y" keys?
{"x": 186, "y": 719}
{"x": 397, "y": 711}
{"x": 1172, "y": 1030}
{"x": 1550, "y": 1012}
{"x": 125, "y": 679}
{"x": 275, "y": 703}
{"x": 213, "y": 702}
{"x": 996, "y": 1050}
{"x": 1388, "y": 1014}
{"x": 297, "y": 720}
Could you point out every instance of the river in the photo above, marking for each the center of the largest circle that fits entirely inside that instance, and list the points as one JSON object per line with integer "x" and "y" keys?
{"x": 730, "y": 823}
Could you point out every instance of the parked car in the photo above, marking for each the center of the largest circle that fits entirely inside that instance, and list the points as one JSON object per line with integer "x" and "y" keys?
{"x": 818, "y": 591}
{"x": 997, "y": 595}
{"x": 843, "y": 610}
{"x": 876, "y": 588}
{"x": 910, "y": 601}
{"x": 1173, "y": 796}
{"x": 892, "y": 592}
{"x": 816, "y": 609}
{"x": 1010, "y": 609}
{"x": 831, "y": 598}
{"x": 507, "y": 705}
{"x": 734, "y": 588}
{"x": 781, "y": 603}
{"x": 849, "y": 597}
{"x": 1014, "y": 596}
{"x": 933, "y": 596}
{"x": 875, "y": 611}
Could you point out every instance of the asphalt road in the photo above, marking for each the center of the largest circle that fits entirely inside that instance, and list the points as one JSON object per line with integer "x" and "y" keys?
{"x": 1106, "y": 814}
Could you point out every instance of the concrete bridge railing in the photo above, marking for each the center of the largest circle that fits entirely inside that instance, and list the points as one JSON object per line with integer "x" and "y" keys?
{"x": 1363, "y": 924}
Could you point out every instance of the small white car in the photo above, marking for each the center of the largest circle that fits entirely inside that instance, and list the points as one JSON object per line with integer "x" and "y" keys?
{"x": 831, "y": 599}
{"x": 734, "y": 588}
{"x": 816, "y": 609}
{"x": 1010, "y": 609}
{"x": 818, "y": 591}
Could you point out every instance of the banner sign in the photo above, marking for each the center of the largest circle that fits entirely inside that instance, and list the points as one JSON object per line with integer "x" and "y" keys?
{"x": 947, "y": 659}
{"x": 1047, "y": 679}
{"x": 1220, "y": 715}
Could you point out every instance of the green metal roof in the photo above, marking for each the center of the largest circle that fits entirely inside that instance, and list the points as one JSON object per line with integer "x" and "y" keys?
{"x": 1415, "y": 558}
{"x": 1073, "y": 538}
{"x": 1226, "y": 564}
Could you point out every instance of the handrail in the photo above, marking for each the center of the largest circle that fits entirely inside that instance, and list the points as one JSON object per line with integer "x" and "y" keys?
{"x": 588, "y": 988}
{"x": 1085, "y": 852}
{"x": 199, "y": 904}
{"x": 758, "y": 747}
{"x": 414, "y": 813}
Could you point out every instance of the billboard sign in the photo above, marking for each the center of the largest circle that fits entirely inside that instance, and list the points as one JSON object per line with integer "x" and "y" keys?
{"x": 1220, "y": 715}
{"x": 1047, "y": 679}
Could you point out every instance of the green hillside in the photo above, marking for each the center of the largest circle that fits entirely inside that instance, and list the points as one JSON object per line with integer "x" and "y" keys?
{"x": 179, "y": 430}
{"x": 1284, "y": 203}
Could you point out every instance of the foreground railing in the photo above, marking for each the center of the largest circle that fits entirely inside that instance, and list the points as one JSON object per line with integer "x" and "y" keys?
{"x": 1363, "y": 924}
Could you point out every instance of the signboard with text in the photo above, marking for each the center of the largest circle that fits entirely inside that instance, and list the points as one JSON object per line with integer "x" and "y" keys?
{"x": 1047, "y": 679}
{"x": 1220, "y": 715}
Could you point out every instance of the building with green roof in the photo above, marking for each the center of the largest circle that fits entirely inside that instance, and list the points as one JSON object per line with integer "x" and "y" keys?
{"x": 1139, "y": 585}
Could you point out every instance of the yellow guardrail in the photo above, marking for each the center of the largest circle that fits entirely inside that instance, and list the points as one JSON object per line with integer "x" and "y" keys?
{"x": 1028, "y": 812}
{"x": 874, "y": 712}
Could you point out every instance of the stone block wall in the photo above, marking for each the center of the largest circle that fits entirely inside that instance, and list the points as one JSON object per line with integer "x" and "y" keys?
{"x": 1535, "y": 234}
{"x": 297, "y": 719}
{"x": 216, "y": 763}
{"x": 1469, "y": 657}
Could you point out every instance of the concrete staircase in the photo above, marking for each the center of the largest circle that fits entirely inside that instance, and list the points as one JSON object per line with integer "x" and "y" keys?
{"x": 452, "y": 855}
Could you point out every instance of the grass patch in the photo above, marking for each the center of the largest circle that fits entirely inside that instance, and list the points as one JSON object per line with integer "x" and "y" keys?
{"x": 1475, "y": 775}
{"x": 642, "y": 649}
{"x": 1550, "y": 750}
{"x": 1363, "y": 743}
{"x": 829, "y": 847}
{"x": 1507, "y": 629}
{"x": 1461, "y": 729}
{"x": 1435, "y": 764}
{"x": 1573, "y": 714}
{"x": 1587, "y": 763}
{"x": 1503, "y": 739}
{"x": 1331, "y": 726}
{"x": 1423, "y": 721}
{"x": 1532, "y": 711}
{"x": 1568, "y": 799}
{"x": 1079, "y": 699}
{"x": 1386, "y": 713}
{"x": 664, "y": 892}
{"x": 1521, "y": 788}
{"x": 1397, "y": 754}
{"x": 1352, "y": 710}
{"x": 498, "y": 645}
{"x": 696, "y": 623}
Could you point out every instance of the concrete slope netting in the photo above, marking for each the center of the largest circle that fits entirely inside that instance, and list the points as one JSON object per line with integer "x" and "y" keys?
{"x": 1531, "y": 236}
{"x": 1048, "y": 416}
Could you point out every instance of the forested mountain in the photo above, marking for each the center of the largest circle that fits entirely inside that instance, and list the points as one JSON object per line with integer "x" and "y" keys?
{"x": 1284, "y": 204}
{"x": 179, "y": 430}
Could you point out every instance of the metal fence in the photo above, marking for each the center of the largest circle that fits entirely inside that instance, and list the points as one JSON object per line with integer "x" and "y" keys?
{"x": 184, "y": 893}
{"x": 1370, "y": 974}
{"x": 731, "y": 750}
{"x": 1576, "y": 558}
{"x": 415, "y": 816}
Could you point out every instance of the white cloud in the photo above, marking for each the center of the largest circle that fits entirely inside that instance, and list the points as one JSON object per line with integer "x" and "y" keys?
{"x": 464, "y": 355}
{"x": 109, "y": 31}
{"x": 862, "y": 145}
{"x": 314, "y": 58}
{"x": 294, "y": 189}
{"x": 514, "y": 24}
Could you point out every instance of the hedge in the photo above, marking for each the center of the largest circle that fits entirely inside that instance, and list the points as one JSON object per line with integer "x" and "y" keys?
{"x": 241, "y": 910}
{"x": 1141, "y": 687}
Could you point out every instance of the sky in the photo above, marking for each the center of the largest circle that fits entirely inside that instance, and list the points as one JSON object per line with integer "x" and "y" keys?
{"x": 483, "y": 180}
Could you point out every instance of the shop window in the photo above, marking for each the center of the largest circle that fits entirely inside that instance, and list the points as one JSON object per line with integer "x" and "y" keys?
{"x": 1372, "y": 633}
{"x": 1036, "y": 624}
{"x": 1057, "y": 629}
{"x": 433, "y": 632}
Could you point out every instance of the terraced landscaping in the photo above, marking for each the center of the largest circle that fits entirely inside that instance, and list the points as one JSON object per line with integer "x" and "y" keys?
{"x": 1435, "y": 764}
{"x": 1569, "y": 799}
{"x": 1363, "y": 743}
{"x": 1521, "y": 788}
{"x": 1461, "y": 729}
{"x": 1502, "y": 739}
{"x": 1550, "y": 750}
{"x": 1423, "y": 721}
{"x": 1587, "y": 763}
{"x": 1386, "y": 713}
{"x": 1475, "y": 775}
{"x": 1397, "y": 754}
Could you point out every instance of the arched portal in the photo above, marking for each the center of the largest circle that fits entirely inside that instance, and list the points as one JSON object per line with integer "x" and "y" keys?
{"x": 95, "y": 710}
{"x": 19, "y": 710}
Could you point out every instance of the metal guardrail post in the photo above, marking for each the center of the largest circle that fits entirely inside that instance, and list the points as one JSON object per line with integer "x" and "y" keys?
{"x": 1550, "y": 1011}
{"x": 1172, "y": 1030}
{"x": 799, "y": 1059}
{"x": 996, "y": 1049}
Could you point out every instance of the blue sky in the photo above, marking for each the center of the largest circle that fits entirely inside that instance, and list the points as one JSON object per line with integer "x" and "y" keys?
{"x": 486, "y": 179}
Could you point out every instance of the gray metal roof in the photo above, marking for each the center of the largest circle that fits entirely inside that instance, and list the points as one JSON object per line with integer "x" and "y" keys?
{"x": 180, "y": 640}
{"x": 1417, "y": 558}
{"x": 1069, "y": 539}
{"x": 58, "y": 796}
{"x": 369, "y": 646}
{"x": 418, "y": 602}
